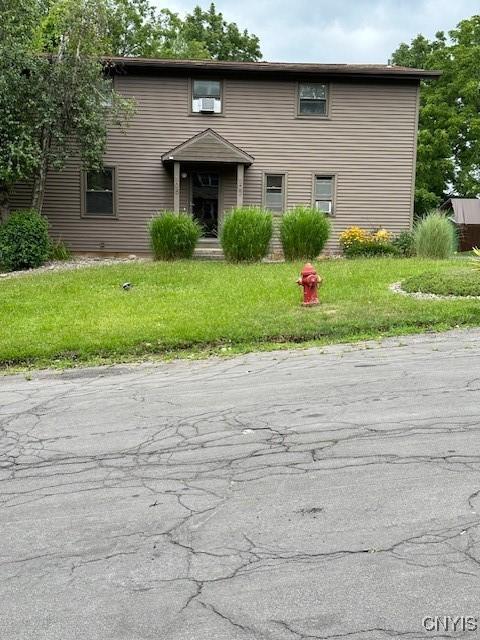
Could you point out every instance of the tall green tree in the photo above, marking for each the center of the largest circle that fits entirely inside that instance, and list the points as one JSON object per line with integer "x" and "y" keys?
{"x": 448, "y": 158}
{"x": 53, "y": 91}
{"x": 136, "y": 28}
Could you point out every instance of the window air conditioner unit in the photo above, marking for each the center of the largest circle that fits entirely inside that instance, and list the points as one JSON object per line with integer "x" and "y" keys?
{"x": 207, "y": 105}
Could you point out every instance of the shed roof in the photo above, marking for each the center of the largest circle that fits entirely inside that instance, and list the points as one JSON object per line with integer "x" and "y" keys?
{"x": 269, "y": 69}
{"x": 207, "y": 146}
{"x": 465, "y": 210}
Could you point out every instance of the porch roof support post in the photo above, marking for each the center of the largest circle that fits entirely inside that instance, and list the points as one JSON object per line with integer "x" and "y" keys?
{"x": 240, "y": 176}
{"x": 176, "y": 187}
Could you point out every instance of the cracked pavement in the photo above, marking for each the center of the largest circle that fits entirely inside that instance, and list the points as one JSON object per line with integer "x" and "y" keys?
{"x": 291, "y": 495}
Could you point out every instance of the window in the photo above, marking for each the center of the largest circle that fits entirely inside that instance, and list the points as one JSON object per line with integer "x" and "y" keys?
{"x": 275, "y": 192}
{"x": 99, "y": 192}
{"x": 312, "y": 99}
{"x": 323, "y": 193}
{"x": 206, "y": 96}
{"x": 107, "y": 93}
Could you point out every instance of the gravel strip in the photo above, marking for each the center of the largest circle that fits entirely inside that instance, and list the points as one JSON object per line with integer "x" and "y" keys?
{"x": 396, "y": 287}
{"x": 70, "y": 265}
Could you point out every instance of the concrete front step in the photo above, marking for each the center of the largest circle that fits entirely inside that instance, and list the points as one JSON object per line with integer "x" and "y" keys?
{"x": 208, "y": 253}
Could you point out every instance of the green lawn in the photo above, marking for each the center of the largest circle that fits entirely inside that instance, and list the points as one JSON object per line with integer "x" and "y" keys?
{"x": 84, "y": 316}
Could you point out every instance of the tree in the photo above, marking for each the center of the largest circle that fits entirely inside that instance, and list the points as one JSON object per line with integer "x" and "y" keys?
{"x": 52, "y": 91}
{"x": 136, "y": 28}
{"x": 448, "y": 158}
{"x": 223, "y": 40}
{"x": 19, "y": 72}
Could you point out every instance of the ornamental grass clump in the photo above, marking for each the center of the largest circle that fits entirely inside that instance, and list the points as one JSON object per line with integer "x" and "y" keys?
{"x": 246, "y": 234}
{"x": 435, "y": 237}
{"x": 304, "y": 232}
{"x": 173, "y": 236}
{"x": 24, "y": 241}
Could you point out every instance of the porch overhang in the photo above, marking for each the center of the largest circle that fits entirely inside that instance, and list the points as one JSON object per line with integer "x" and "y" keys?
{"x": 207, "y": 147}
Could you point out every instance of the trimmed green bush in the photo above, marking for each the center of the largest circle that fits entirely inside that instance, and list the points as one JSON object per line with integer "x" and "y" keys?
{"x": 174, "y": 235}
{"x": 304, "y": 232}
{"x": 370, "y": 248}
{"x": 457, "y": 282}
{"x": 246, "y": 234}
{"x": 405, "y": 244}
{"x": 435, "y": 237}
{"x": 24, "y": 241}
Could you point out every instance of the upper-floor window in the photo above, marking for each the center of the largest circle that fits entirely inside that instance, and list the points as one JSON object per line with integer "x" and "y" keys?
{"x": 323, "y": 192}
{"x": 99, "y": 197}
{"x": 312, "y": 99}
{"x": 275, "y": 192}
{"x": 206, "y": 96}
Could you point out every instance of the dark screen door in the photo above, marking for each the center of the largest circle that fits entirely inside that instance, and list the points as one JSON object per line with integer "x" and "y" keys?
{"x": 205, "y": 202}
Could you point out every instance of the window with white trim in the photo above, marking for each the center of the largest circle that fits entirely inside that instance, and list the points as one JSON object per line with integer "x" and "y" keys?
{"x": 323, "y": 191}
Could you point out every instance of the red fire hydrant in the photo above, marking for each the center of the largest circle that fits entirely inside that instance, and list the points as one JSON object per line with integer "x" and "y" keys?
{"x": 310, "y": 281}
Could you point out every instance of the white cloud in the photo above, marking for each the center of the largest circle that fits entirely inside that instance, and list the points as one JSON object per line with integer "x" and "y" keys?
{"x": 345, "y": 31}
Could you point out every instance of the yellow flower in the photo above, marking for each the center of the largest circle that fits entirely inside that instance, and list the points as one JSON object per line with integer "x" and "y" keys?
{"x": 382, "y": 235}
{"x": 353, "y": 235}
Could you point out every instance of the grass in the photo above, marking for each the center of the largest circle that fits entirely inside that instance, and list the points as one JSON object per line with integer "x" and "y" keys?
{"x": 459, "y": 282}
{"x": 84, "y": 316}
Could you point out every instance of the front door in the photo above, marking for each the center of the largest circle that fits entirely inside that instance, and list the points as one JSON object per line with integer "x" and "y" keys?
{"x": 205, "y": 202}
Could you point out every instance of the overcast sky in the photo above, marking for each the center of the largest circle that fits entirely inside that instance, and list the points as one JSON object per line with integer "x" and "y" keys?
{"x": 339, "y": 31}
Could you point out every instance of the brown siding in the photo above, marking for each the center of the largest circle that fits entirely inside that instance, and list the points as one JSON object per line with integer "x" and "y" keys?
{"x": 368, "y": 143}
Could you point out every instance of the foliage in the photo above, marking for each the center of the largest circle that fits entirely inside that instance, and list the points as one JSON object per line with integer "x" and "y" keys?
{"x": 58, "y": 251}
{"x": 304, "y": 232}
{"x": 246, "y": 234}
{"x": 197, "y": 307}
{"x": 449, "y": 126}
{"x": 136, "y": 28}
{"x": 173, "y": 235}
{"x": 435, "y": 236}
{"x": 475, "y": 261}
{"x": 223, "y": 40}
{"x": 461, "y": 282}
{"x": 24, "y": 241}
{"x": 52, "y": 90}
{"x": 358, "y": 242}
{"x": 404, "y": 243}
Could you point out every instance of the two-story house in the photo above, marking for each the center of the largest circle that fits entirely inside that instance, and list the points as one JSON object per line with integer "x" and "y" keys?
{"x": 208, "y": 136}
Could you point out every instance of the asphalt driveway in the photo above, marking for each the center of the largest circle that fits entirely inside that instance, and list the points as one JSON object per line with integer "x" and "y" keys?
{"x": 277, "y": 496}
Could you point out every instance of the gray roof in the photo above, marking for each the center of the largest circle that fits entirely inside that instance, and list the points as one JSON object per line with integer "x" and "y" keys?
{"x": 283, "y": 69}
{"x": 465, "y": 210}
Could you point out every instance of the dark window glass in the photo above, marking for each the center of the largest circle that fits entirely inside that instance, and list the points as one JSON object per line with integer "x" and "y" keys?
{"x": 99, "y": 193}
{"x": 313, "y": 99}
{"x": 206, "y": 89}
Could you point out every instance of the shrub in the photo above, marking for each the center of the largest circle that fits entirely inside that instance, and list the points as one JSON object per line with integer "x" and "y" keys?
{"x": 457, "y": 282}
{"x": 371, "y": 248}
{"x": 435, "y": 237}
{"x": 357, "y": 242}
{"x": 246, "y": 234}
{"x": 405, "y": 244}
{"x": 173, "y": 235}
{"x": 59, "y": 251}
{"x": 24, "y": 241}
{"x": 304, "y": 232}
